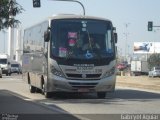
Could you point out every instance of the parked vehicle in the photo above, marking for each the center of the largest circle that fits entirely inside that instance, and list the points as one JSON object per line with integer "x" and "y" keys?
{"x": 121, "y": 66}
{"x": 16, "y": 68}
{"x": 154, "y": 72}
{"x": 5, "y": 64}
{"x": 139, "y": 67}
{"x": 0, "y": 72}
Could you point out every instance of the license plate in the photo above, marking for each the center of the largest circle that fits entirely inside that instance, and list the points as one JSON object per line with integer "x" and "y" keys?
{"x": 83, "y": 90}
{"x": 84, "y": 68}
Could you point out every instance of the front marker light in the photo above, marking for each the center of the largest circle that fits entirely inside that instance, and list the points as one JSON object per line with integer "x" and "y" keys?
{"x": 110, "y": 72}
{"x": 56, "y": 72}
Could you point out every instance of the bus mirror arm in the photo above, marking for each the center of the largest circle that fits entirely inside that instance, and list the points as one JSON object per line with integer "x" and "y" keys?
{"x": 45, "y": 54}
{"x": 115, "y": 37}
{"x": 46, "y": 36}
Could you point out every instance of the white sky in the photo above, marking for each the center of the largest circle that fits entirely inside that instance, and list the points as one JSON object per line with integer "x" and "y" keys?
{"x": 134, "y": 13}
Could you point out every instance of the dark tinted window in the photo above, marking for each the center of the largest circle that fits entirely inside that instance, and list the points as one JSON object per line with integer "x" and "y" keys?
{"x": 70, "y": 36}
{"x": 3, "y": 61}
{"x": 14, "y": 65}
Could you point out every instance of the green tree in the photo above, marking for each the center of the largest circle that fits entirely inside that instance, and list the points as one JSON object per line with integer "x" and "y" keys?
{"x": 154, "y": 60}
{"x": 9, "y": 8}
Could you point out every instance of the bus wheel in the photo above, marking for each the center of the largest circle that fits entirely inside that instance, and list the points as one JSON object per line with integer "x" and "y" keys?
{"x": 45, "y": 93}
{"x": 32, "y": 89}
{"x": 101, "y": 95}
{"x": 9, "y": 74}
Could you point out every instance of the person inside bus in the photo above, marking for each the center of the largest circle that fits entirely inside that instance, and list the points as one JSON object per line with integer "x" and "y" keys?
{"x": 91, "y": 45}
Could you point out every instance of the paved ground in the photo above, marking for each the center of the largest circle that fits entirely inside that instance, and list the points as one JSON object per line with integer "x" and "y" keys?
{"x": 15, "y": 108}
{"x": 15, "y": 100}
{"x": 143, "y": 82}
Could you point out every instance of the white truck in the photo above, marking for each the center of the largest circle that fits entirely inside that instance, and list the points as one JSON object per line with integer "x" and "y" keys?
{"x": 5, "y": 64}
{"x": 139, "y": 67}
{"x": 16, "y": 67}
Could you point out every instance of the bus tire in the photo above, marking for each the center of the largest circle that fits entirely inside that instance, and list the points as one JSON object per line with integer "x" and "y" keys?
{"x": 45, "y": 93}
{"x": 101, "y": 95}
{"x": 32, "y": 89}
{"x": 7, "y": 74}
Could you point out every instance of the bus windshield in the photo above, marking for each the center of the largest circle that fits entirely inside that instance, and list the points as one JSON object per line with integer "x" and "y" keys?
{"x": 82, "y": 39}
{"x": 14, "y": 65}
{"x": 3, "y": 61}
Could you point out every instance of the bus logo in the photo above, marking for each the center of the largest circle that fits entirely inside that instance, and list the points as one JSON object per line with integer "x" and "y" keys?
{"x": 84, "y": 75}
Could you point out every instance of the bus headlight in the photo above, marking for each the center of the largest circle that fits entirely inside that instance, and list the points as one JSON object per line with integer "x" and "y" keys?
{"x": 56, "y": 72}
{"x": 110, "y": 72}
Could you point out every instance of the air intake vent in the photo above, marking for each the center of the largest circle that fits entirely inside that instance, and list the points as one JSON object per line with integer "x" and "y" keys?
{"x": 83, "y": 85}
{"x": 83, "y": 76}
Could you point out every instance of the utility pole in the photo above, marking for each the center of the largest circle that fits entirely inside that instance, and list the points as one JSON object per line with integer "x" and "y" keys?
{"x": 155, "y": 31}
{"x": 37, "y": 3}
{"x": 4, "y": 32}
{"x": 11, "y": 42}
{"x": 126, "y": 41}
{"x": 18, "y": 45}
{"x": 76, "y": 2}
{"x": 11, "y": 32}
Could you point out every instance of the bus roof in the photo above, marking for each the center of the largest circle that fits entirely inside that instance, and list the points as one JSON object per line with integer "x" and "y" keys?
{"x": 70, "y": 16}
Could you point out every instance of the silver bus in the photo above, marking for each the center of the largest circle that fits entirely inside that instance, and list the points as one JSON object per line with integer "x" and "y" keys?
{"x": 58, "y": 55}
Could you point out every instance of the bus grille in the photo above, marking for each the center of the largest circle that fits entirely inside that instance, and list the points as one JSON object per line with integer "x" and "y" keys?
{"x": 87, "y": 76}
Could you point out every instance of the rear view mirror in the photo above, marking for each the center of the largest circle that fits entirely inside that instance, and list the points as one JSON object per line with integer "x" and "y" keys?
{"x": 46, "y": 36}
{"x": 115, "y": 37}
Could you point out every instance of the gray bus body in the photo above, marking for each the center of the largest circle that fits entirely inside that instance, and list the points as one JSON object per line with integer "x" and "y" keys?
{"x": 61, "y": 65}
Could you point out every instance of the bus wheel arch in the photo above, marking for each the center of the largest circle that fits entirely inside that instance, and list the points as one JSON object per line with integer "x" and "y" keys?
{"x": 42, "y": 84}
{"x": 28, "y": 78}
{"x": 32, "y": 89}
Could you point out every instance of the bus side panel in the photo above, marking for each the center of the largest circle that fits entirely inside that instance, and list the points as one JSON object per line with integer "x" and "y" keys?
{"x": 26, "y": 67}
{"x": 39, "y": 68}
{"x": 34, "y": 52}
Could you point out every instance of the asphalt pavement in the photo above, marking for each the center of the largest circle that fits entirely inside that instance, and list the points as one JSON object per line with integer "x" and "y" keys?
{"x": 15, "y": 108}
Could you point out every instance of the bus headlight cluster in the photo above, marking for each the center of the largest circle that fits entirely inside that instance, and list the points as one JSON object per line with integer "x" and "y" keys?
{"x": 110, "y": 72}
{"x": 56, "y": 72}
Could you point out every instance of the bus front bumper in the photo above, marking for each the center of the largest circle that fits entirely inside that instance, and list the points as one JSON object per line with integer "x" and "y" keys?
{"x": 57, "y": 83}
